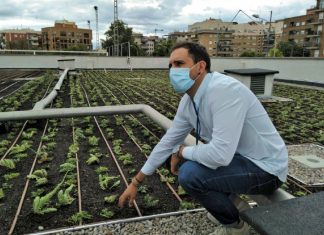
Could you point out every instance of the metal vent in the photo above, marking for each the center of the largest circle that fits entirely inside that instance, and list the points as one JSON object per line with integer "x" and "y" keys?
{"x": 258, "y": 84}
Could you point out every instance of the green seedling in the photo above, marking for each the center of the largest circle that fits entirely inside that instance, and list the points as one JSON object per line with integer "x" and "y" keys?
{"x": 8, "y": 163}
{"x": 79, "y": 217}
{"x": 67, "y": 167}
{"x": 2, "y": 195}
{"x": 181, "y": 191}
{"x": 11, "y": 176}
{"x": 143, "y": 189}
{"x": 93, "y": 141}
{"x": 184, "y": 205}
{"x": 64, "y": 198}
{"x": 20, "y": 148}
{"x": 107, "y": 213}
{"x": 104, "y": 180}
{"x": 111, "y": 199}
{"x": 38, "y": 192}
{"x": 150, "y": 201}
{"x": 92, "y": 160}
{"x": 101, "y": 169}
{"x": 115, "y": 185}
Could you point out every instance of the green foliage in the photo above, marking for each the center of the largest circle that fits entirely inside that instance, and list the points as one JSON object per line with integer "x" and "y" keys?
{"x": 111, "y": 198}
{"x": 107, "y": 213}
{"x": 181, "y": 191}
{"x": 184, "y": 205}
{"x": 40, "y": 176}
{"x": 64, "y": 197}
{"x": 292, "y": 49}
{"x": 166, "y": 176}
{"x": 67, "y": 167}
{"x": 143, "y": 189}
{"x": 115, "y": 184}
{"x": 93, "y": 141}
{"x": 163, "y": 48}
{"x": 127, "y": 158}
{"x": 38, "y": 192}
{"x": 79, "y": 217}
{"x": 11, "y": 176}
{"x": 20, "y": 148}
{"x": 8, "y": 163}
{"x": 74, "y": 148}
{"x": 2, "y": 195}
{"x": 78, "y": 133}
{"x": 274, "y": 52}
{"x": 29, "y": 134}
{"x": 146, "y": 148}
{"x": 101, "y": 169}
{"x": 105, "y": 180}
{"x": 92, "y": 159}
{"x": 40, "y": 203}
{"x": 150, "y": 201}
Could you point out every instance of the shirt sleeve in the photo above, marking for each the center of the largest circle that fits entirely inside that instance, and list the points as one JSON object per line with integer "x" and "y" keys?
{"x": 178, "y": 131}
{"x": 228, "y": 110}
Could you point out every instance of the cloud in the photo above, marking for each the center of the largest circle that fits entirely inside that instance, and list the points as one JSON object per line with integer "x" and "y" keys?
{"x": 144, "y": 16}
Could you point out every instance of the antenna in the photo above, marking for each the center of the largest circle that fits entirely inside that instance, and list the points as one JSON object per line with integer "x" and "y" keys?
{"x": 89, "y": 24}
{"x": 116, "y": 35}
{"x": 97, "y": 30}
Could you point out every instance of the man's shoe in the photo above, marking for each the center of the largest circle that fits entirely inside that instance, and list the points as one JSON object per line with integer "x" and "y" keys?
{"x": 240, "y": 204}
{"x": 223, "y": 230}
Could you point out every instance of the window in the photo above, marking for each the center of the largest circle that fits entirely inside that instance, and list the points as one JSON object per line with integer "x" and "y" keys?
{"x": 210, "y": 42}
{"x": 302, "y": 32}
{"x": 86, "y": 35}
{"x": 63, "y": 34}
{"x": 297, "y": 24}
{"x": 303, "y": 23}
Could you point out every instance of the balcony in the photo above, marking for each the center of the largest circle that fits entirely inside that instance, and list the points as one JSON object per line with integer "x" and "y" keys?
{"x": 313, "y": 34}
{"x": 311, "y": 45}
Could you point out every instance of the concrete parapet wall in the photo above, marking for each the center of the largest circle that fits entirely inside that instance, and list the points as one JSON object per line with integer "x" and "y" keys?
{"x": 299, "y": 69}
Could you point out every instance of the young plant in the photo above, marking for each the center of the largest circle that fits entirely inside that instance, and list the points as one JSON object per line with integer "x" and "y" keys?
{"x": 93, "y": 141}
{"x": 2, "y": 195}
{"x": 92, "y": 159}
{"x": 142, "y": 189}
{"x": 40, "y": 203}
{"x": 79, "y": 217}
{"x": 107, "y": 213}
{"x": 67, "y": 167}
{"x": 38, "y": 192}
{"x": 8, "y": 163}
{"x": 104, "y": 180}
{"x": 115, "y": 184}
{"x": 101, "y": 169}
{"x": 181, "y": 191}
{"x": 126, "y": 159}
{"x": 64, "y": 197}
{"x": 146, "y": 148}
{"x": 150, "y": 201}
{"x": 184, "y": 205}
{"x": 11, "y": 176}
{"x": 111, "y": 199}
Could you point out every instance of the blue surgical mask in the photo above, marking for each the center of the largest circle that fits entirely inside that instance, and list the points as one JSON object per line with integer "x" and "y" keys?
{"x": 180, "y": 79}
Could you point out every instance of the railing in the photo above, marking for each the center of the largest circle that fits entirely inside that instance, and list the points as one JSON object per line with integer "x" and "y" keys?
{"x": 45, "y": 52}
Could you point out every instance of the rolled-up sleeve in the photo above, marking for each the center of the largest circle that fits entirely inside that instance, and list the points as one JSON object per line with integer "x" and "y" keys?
{"x": 178, "y": 131}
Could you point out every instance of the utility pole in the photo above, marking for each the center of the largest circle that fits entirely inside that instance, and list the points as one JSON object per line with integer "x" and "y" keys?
{"x": 116, "y": 34}
{"x": 97, "y": 28}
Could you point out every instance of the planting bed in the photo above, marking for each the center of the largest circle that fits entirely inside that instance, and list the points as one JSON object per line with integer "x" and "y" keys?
{"x": 74, "y": 169}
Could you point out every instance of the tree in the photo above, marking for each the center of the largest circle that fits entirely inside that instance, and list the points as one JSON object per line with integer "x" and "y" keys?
{"x": 18, "y": 45}
{"x": 163, "y": 48}
{"x": 251, "y": 54}
{"x": 125, "y": 35}
{"x": 274, "y": 52}
{"x": 291, "y": 48}
{"x": 77, "y": 47}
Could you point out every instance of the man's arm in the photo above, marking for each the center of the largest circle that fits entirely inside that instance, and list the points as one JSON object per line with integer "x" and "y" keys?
{"x": 229, "y": 109}
{"x": 178, "y": 131}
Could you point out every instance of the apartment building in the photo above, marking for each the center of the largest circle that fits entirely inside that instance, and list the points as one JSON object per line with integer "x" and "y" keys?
{"x": 147, "y": 43}
{"x": 66, "y": 34}
{"x": 229, "y": 39}
{"x": 307, "y": 30}
{"x": 20, "y": 39}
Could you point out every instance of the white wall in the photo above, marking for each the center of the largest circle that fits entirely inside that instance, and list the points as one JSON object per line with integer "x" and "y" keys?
{"x": 301, "y": 69}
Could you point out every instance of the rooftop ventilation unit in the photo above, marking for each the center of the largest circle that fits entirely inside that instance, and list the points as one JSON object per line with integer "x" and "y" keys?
{"x": 260, "y": 81}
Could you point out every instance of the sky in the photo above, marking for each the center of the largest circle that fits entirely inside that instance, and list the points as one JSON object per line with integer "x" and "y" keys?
{"x": 143, "y": 16}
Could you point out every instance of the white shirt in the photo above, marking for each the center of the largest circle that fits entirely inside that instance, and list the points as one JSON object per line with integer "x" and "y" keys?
{"x": 232, "y": 121}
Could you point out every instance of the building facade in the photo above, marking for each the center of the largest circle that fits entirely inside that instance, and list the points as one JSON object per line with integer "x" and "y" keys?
{"x": 307, "y": 30}
{"x": 65, "y": 35}
{"x": 23, "y": 39}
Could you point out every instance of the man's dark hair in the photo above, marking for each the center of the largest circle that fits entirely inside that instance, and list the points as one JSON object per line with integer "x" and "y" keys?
{"x": 197, "y": 52}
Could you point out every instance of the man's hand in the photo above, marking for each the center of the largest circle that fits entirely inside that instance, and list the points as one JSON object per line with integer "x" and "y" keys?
{"x": 175, "y": 160}
{"x": 128, "y": 195}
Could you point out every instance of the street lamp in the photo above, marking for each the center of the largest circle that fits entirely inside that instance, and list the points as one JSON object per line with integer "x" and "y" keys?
{"x": 269, "y": 29}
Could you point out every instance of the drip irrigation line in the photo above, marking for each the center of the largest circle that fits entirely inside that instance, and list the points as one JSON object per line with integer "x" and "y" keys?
{"x": 138, "y": 146}
{"x": 77, "y": 166}
{"x": 110, "y": 150}
{"x": 22, "y": 129}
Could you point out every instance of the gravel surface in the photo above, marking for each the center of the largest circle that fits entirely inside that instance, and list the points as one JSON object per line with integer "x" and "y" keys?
{"x": 303, "y": 173}
{"x": 188, "y": 223}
